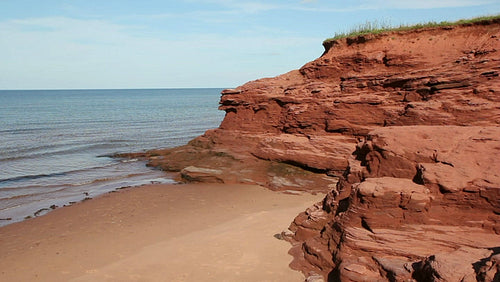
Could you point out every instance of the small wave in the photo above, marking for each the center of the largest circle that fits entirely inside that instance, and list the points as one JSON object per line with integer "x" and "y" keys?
{"x": 31, "y": 187}
{"x": 55, "y": 174}
{"x": 24, "y": 130}
{"x": 31, "y": 152}
{"x": 27, "y": 151}
{"x": 116, "y": 156}
{"x": 129, "y": 160}
{"x": 106, "y": 179}
{"x": 15, "y": 197}
{"x": 31, "y": 177}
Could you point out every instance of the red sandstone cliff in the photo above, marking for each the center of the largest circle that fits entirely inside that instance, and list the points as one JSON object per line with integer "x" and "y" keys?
{"x": 407, "y": 122}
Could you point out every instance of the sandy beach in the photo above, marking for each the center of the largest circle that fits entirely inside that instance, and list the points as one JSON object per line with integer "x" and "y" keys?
{"x": 195, "y": 232}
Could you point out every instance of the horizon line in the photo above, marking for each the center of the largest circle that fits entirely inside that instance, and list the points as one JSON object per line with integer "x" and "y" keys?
{"x": 147, "y": 88}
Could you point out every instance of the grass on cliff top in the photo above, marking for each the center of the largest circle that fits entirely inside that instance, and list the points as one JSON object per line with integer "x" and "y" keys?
{"x": 380, "y": 27}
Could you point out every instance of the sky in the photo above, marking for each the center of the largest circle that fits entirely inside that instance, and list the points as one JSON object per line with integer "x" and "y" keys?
{"x": 100, "y": 44}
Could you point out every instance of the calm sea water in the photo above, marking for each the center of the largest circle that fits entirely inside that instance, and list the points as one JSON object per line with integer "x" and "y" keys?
{"x": 54, "y": 143}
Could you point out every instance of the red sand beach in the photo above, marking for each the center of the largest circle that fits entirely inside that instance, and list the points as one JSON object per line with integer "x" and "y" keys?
{"x": 200, "y": 232}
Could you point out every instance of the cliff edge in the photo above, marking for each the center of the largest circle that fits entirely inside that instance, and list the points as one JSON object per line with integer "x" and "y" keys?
{"x": 401, "y": 129}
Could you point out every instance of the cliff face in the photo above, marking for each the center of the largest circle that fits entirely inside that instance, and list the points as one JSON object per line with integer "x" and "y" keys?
{"x": 409, "y": 125}
{"x": 417, "y": 202}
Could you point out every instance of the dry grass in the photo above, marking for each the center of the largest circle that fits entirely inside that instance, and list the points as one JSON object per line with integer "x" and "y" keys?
{"x": 381, "y": 27}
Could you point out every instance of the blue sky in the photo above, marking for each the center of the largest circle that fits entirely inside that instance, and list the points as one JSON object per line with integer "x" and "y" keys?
{"x": 85, "y": 44}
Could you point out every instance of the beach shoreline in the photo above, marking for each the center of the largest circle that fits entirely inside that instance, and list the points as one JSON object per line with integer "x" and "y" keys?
{"x": 59, "y": 146}
{"x": 16, "y": 209}
{"x": 159, "y": 232}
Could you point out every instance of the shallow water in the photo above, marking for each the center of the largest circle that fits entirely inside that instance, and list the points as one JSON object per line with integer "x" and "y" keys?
{"x": 54, "y": 143}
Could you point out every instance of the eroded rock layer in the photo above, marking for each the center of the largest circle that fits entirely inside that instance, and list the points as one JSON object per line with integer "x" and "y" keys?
{"x": 418, "y": 202}
{"x": 402, "y": 130}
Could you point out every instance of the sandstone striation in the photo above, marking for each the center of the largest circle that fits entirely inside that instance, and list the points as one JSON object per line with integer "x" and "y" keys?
{"x": 402, "y": 130}
{"x": 415, "y": 204}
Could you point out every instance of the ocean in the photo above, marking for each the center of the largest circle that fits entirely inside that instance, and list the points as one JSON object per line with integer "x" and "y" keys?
{"x": 55, "y": 145}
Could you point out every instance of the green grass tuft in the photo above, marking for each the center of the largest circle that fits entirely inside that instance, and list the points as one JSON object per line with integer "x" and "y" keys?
{"x": 380, "y": 27}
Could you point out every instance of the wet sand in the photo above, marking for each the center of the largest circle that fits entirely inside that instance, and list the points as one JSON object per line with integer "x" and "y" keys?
{"x": 199, "y": 232}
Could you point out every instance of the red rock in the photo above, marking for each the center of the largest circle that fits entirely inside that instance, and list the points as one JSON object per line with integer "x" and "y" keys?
{"x": 407, "y": 121}
{"x": 199, "y": 174}
{"x": 412, "y": 218}
{"x": 452, "y": 266}
{"x": 230, "y": 91}
{"x": 491, "y": 270}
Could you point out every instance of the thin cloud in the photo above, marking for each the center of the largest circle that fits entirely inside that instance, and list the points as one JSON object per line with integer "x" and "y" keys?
{"x": 337, "y": 6}
{"x": 83, "y": 53}
{"x": 429, "y": 4}
{"x": 215, "y": 17}
{"x": 422, "y": 4}
{"x": 242, "y": 6}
